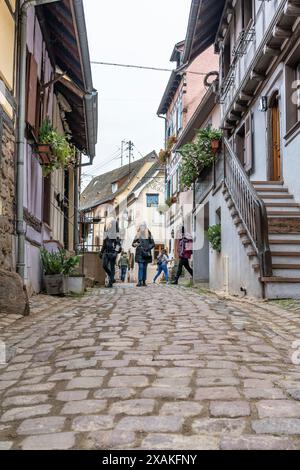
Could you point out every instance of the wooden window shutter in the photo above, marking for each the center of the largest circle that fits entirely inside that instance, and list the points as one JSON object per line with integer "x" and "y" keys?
{"x": 31, "y": 92}
{"x": 248, "y": 143}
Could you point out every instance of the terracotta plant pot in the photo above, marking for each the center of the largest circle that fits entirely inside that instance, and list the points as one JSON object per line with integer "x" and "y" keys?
{"x": 215, "y": 145}
{"x": 45, "y": 153}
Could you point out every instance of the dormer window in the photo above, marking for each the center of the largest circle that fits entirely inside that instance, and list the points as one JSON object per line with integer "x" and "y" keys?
{"x": 114, "y": 187}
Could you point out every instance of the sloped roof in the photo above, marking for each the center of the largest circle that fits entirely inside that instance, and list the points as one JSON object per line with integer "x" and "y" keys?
{"x": 148, "y": 175}
{"x": 99, "y": 191}
{"x": 202, "y": 27}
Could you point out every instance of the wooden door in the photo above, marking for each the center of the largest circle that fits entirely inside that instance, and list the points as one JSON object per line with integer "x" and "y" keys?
{"x": 276, "y": 154}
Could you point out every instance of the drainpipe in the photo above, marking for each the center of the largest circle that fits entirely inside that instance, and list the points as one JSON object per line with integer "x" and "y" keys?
{"x": 76, "y": 208}
{"x": 21, "y": 100}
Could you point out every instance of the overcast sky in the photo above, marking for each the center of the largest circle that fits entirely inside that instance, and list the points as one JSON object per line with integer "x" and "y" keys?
{"x": 141, "y": 32}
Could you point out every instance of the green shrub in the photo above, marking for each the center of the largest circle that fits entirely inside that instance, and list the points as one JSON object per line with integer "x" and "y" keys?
{"x": 214, "y": 235}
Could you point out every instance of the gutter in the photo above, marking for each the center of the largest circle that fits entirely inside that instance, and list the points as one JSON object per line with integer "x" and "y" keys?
{"x": 191, "y": 29}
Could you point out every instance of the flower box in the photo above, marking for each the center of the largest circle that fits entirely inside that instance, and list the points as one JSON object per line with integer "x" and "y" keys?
{"x": 45, "y": 153}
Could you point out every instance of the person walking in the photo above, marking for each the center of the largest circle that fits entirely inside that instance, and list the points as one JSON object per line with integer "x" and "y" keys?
{"x": 162, "y": 266}
{"x": 184, "y": 251}
{"x": 110, "y": 249}
{"x": 123, "y": 265}
{"x": 144, "y": 245}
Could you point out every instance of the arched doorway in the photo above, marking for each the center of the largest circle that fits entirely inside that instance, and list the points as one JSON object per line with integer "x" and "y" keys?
{"x": 274, "y": 133}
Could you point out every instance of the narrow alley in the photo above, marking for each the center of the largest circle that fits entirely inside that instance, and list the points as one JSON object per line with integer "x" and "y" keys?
{"x": 128, "y": 369}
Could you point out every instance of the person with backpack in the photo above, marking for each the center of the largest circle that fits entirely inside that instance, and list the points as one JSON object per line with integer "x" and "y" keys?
{"x": 123, "y": 265}
{"x": 162, "y": 266}
{"x": 110, "y": 249}
{"x": 144, "y": 244}
{"x": 184, "y": 251}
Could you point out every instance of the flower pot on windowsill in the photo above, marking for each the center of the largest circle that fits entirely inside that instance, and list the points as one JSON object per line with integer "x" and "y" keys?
{"x": 215, "y": 145}
{"x": 45, "y": 153}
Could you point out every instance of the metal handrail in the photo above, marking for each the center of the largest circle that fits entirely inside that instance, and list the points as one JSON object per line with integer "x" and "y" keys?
{"x": 250, "y": 207}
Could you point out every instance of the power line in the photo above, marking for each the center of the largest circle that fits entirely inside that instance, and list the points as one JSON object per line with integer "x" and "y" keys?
{"x": 143, "y": 67}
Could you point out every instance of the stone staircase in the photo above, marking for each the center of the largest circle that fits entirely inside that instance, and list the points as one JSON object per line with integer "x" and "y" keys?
{"x": 284, "y": 237}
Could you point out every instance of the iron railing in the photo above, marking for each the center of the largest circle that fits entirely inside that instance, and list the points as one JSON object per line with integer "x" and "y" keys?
{"x": 251, "y": 209}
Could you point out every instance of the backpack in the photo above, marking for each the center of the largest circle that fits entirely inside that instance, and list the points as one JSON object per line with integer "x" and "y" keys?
{"x": 185, "y": 248}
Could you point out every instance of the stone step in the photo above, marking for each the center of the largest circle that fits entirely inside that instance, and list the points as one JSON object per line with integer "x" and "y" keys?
{"x": 286, "y": 272}
{"x": 246, "y": 242}
{"x": 251, "y": 254}
{"x": 285, "y": 205}
{"x": 277, "y": 197}
{"x": 271, "y": 190}
{"x": 237, "y": 221}
{"x": 282, "y": 257}
{"x": 288, "y": 214}
{"x": 284, "y": 225}
{"x": 286, "y": 266}
{"x": 281, "y": 287}
{"x": 284, "y": 236}
{"x": 267, "y": 183}
{"x": 242, "y": 232}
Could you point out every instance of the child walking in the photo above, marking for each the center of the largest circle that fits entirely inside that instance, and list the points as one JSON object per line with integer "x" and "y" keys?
{"x": 162, "y": 266}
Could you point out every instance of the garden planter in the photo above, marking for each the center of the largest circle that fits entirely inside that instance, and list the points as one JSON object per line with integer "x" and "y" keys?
{"x": 75, "y": 284}
{"x": 45, "y": 154}
{"x": 54, "y": 284}
{"x": 215, "y": 145}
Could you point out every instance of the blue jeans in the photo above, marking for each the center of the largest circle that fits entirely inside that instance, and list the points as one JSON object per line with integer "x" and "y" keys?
{"x": 123, "y": 273}
{"x": 162, "y": 268}
{"x": 143, "y": 272}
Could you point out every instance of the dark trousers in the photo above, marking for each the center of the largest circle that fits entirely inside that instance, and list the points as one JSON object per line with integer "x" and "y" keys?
{"x": 183, "y": 262}
{"x": 109, "y": 266}
{"x": 143, "y": 272}
{"x": 123, "y": 273}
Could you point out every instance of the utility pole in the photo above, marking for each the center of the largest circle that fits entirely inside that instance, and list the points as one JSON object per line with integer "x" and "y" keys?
{"x": 130, "y": 149}
{"x": 122, "y": 151}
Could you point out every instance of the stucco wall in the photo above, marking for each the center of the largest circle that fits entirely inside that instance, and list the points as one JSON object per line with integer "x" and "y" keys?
{"x": 240, "y": 271}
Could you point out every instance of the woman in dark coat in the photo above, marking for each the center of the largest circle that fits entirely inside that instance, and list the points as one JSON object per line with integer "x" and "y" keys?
{"x": 144, "y": 245}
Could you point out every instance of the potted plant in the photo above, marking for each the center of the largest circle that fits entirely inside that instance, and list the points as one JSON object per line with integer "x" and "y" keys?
{"x": 198, "y": 155}
{"x": 215, "y": 237}
{"x": 53, "y": 149}
{"x": 215, "y": 136}
{"x": 53, "y": 265}
{"x": 163, "y": 156}
{"x": 75, "y": 282}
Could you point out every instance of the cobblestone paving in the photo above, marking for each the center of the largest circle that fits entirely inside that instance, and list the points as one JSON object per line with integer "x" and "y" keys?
{"x": 153, "y": 368}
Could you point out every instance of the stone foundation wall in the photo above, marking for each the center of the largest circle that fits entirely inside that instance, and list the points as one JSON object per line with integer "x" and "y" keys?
{"x": 7, "y": 195}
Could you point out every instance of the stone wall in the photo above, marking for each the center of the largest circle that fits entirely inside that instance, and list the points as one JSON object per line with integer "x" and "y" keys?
{"x": 7, "y": 195}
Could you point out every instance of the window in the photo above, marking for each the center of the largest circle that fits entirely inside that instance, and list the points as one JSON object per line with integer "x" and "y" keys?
{"x": 292, "y": 81}
{"x": 247, "y": 13}
{"x": 152, "y": 200}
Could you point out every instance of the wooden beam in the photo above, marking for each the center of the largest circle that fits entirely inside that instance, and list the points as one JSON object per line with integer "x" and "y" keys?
{"x": 244, "y": 97}
{"x": 292, "y": 9}
{"x": 239, "y": 107}
{"x": 257, "y": 76}
{"x": 272, "y": 51}
{"x": 283, "y": 33}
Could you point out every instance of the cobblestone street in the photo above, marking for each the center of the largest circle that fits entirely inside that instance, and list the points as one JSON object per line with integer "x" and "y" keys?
{"x": 154, "y": 368}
